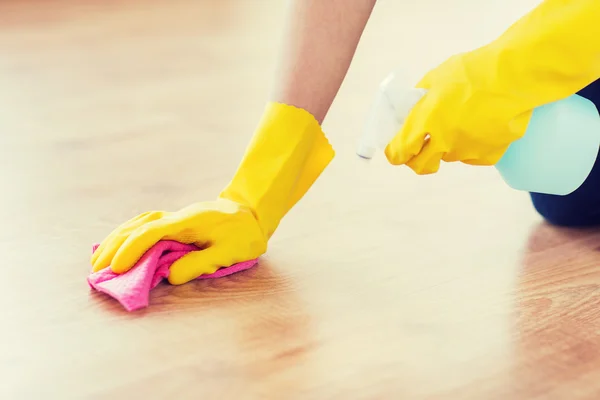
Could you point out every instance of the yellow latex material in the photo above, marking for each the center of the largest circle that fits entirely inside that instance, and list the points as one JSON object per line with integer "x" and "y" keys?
{"x": 286, "y": 155}
{"x": 479, "y": 102}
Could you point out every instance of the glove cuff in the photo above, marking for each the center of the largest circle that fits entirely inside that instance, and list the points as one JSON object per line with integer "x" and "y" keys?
{"x": 286, "y": 155}
{"x": 549, "y": 54}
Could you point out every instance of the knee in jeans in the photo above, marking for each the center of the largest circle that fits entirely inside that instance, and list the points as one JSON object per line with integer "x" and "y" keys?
{"x": 560, "y": 210}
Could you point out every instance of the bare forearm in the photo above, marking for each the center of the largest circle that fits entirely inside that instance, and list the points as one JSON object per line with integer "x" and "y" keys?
{"x": 318, "y": 46}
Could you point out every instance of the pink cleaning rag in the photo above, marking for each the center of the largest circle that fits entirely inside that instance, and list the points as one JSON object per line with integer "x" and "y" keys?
{"x": 132, "y": 289}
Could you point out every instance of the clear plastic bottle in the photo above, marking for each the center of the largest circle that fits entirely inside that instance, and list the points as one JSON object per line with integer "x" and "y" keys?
{"x": 555, "y": 155}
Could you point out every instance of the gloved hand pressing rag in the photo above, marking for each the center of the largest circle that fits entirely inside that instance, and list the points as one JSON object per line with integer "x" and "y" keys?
{"x": 286, "y": 155}
{"x": 479, "y": 102}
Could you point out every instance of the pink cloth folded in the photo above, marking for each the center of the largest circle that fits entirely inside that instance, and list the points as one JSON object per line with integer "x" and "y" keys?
{"x": 132, "y": 289}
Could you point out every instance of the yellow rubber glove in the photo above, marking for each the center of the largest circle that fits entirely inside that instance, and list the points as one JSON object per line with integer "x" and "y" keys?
{"x": 479, "y": 102}
{"x": 286, "y": 155}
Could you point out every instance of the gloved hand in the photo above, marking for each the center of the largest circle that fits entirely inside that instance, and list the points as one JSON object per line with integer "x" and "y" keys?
{"x": 228, "y": 231}
{"x": 478, "y": 103}
{"x": 286, "y": 155}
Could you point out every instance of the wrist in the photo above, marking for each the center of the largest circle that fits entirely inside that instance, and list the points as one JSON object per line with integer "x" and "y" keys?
{"x": 285, "y": 156}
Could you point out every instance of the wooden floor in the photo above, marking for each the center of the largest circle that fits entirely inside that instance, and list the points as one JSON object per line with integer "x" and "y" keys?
{"x": 379, "y": 285}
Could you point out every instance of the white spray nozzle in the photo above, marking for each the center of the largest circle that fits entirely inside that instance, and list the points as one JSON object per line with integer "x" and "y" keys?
{"x": 390, "y": 108}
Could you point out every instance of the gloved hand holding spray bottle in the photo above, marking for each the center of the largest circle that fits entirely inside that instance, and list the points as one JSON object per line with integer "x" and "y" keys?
{"x": 509, "y": 104}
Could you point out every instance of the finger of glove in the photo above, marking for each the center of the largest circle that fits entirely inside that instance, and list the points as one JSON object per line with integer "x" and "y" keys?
{"x": 104, "y": 254}
{"x": 116, "y": 232}
{"x": 425, "y": 82}
{"x": 197, "y": 263}
{"x": 428, "y": 160}
{"x": 138, "y": 242}
{"x": 411, "y": 138}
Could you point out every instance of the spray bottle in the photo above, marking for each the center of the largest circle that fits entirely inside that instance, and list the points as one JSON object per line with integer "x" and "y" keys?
{"x": 555, "y": 155}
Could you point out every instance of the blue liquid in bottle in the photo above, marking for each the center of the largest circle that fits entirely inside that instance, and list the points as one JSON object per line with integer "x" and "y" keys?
{"x": 558, "y": 150}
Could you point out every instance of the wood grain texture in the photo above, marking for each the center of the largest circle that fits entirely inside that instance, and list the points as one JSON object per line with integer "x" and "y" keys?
{"x": 379, "y": 285}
